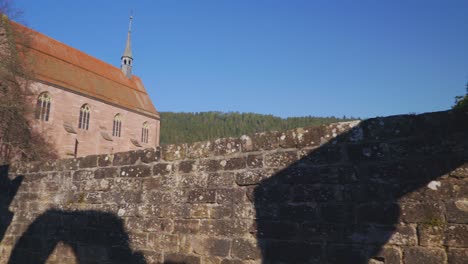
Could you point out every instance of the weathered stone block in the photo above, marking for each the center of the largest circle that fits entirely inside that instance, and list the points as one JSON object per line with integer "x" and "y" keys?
{"x": 202, "y": 196}
{"x": 230, "y": 196}
{"x": 404, "y": 235}
{"x": 162, "y": 242}
{"x": 245, "y": 249}
{"x": 173, "y": 152}
{"x": 379, "y": 213}
{"x": 422, "y": 212}
{"x": 186, "y": 166}
{"x": 390, "y": 255}
{"x": 226, "y": 146}
{"x": 221, "y": 211}
{"x": 121, "y": 197}
{"x": 281, "y": 230}
{"x": 139, "y": 171}
{"x": 317, "y": 232}
{"x": 232, "y": 261}
{"x": 158, "y": 225}
{"x": 195, "y": 180}
{"x": 196, "y": 211}
{"x": 105, "y": 160}
{"x": 312, "y": 136}
{"x": 49, "y": 165}
{"x": 186, "y": 226}
{"x": 138, "y": 240}
{"x": 235, "y": 163}
{"x": 380, "y": 234}
{"x": 456, "y": 235}
{"x": 211, "y": 165}
{"x": 252, "y": 177}
{"x": 280, "y": 159}
{"x": 294, "y": 212}
{"x": 224, "y": 227}
{"x": 261, "y": 141}
{"x": 89, "y": 161}
{"x": 431, "y": 235}
{"x": 103, "y": 173}
{"x": 221, "y": 179}
{"x": 83, "y": 175}
{"x": 152, "y": 256}
{"x": 457, "y": 211}
{"x": 211, "y": 246}
{"x": 243, "y": 211}
{"x": 159, "y": 211}
{"x": 179, "y": 258}
{"x": 343, "y": 254}
{"x": 457, "y": 255}
{"x": 199, "y": 150}
{"x": 125, "y": 158}
{"x": 333, "y": 212}
{"x": 317, "y": 193}
{"x": 424, "y": 255}
{"x": 211, "y": 260}
{"x": 324, "y": 155}
{"x": 157, "y": 197}
{"x": 163, "y": 168}
{"x": 292, "y": 252}
{"x": 255, "y": 161}
{"x": 149, "y": 155}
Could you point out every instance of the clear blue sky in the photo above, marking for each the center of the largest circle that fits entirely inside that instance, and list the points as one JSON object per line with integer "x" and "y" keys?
{"x": 282, "y": 57}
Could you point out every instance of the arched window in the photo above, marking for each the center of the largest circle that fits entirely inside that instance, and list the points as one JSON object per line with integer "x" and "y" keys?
{"x": 83, "y": 123}
{"x": 145, "y": 132}
{"x": 117, "y": 127}
{"x": 43, "y": 107}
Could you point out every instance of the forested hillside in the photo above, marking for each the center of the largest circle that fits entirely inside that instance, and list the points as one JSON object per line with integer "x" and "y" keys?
{"x": 193, "y": 127}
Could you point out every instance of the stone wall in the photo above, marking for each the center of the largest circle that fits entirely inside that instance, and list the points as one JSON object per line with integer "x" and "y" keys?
{"x": 385, "y": 190}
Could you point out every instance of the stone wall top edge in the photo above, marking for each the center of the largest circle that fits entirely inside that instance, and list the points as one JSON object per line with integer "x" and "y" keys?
{"x": 263, "y": 141}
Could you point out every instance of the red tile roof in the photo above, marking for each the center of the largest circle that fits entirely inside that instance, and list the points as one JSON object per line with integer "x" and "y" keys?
{"x": 59, "y": 64}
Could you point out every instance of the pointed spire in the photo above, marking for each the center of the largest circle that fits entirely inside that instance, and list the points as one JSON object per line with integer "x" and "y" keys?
{"x": 127, "y": 57}
{"x": 128, "y": 47}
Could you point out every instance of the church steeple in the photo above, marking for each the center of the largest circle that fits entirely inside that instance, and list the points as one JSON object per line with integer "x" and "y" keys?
{"x": 127, "y": 58}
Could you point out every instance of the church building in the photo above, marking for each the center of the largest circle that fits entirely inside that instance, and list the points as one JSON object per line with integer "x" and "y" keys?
{"x": 85, "y": 106}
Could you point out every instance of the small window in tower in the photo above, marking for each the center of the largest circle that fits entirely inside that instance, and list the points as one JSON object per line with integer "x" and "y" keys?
{"x": 43, "y": 107}
{"x": 145, "y": 132}
{"x": 125, "y": 61}
{"x": 117, "y": 125}
{"x": 83, "y": 121}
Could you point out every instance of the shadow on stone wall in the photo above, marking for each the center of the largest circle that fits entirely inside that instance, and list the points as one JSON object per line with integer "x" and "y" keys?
{"x": 93, "y": 236}
{"x": 8, "y": 189}
{"x": 342, "y": 202}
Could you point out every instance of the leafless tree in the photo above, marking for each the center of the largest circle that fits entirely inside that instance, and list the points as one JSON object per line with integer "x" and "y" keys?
{"x": 17, "y": 138}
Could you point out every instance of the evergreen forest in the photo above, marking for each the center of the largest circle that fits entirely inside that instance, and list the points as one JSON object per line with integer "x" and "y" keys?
{"x": 192, "y": 127}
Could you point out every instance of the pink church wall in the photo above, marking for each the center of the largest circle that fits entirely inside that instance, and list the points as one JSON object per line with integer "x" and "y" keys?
{"x": 65, "y": 107}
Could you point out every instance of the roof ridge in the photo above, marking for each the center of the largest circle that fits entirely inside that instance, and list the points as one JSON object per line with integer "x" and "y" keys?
{"x": 31, "y": 46}
{"x": 88, "y": 70}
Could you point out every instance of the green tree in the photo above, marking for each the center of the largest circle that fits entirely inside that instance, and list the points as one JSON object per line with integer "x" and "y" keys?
{"x": 192, "y": 127}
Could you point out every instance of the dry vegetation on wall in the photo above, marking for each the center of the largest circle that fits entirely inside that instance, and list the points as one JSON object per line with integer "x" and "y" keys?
{"x": 17, "y": 138}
